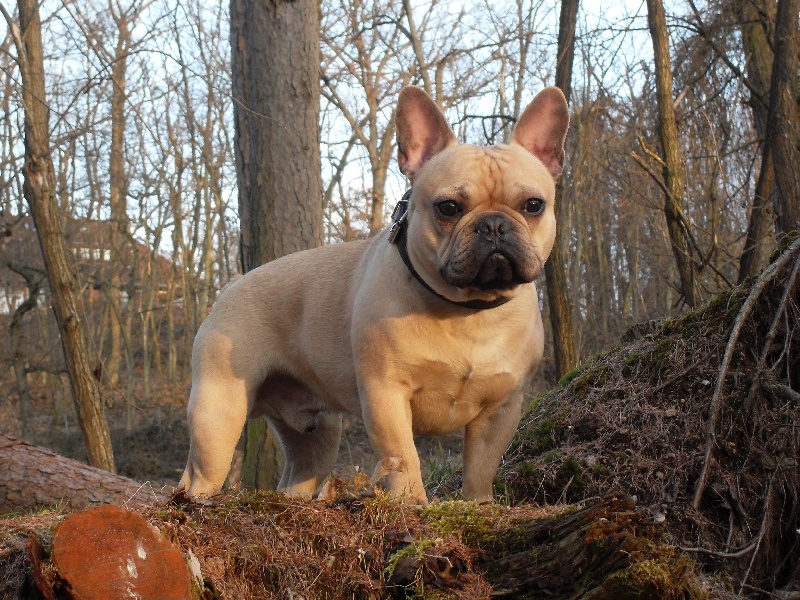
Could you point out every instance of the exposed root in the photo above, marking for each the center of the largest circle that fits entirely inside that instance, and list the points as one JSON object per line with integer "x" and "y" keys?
{"x": 767, "y": 276}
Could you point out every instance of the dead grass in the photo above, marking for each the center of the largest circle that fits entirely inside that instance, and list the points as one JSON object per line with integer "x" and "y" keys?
{"x": 258, "y": 544}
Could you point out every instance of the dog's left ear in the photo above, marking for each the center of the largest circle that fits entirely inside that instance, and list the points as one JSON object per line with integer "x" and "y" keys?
{"x": 542, "y": 128}
{"x": 422, "y": 130}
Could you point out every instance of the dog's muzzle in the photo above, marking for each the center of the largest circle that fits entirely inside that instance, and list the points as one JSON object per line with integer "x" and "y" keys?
{"x": 491, "y": 257}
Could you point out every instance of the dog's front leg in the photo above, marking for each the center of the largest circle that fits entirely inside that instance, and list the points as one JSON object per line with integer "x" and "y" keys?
{"x": 486, "y": 438}
{"x": 387, "y": 415}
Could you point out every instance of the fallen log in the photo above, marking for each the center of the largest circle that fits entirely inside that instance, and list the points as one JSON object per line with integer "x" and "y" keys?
{"x": 32, "y": 476}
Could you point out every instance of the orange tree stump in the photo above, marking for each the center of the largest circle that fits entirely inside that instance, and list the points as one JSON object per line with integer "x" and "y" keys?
{"x": 108, "y": 552}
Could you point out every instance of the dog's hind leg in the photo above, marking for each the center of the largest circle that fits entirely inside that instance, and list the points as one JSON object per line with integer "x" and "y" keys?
{"x": 310, "y": 456}
{"x": 217, "y": 413}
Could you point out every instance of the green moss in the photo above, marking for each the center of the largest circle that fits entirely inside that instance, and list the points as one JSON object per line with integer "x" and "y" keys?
{"x": 481, "y": 526}
{"x": 535, "y": 439}
{"x": 658, "y": 357}
{"x": 632, "y": 358}
{"x": 570, "y": 478}
{"x": 526, "y": 469}
{"x": 474, "y": 523}
{"x": 595, "y": 377}
{"x": 570, "y": 375}
{"x": 415, "y": 549}
{"x": 783, "y": 245}
{"x": 665, "y": 577}
{"x": 725, "y": 304}
{"x": 601, "y": 470}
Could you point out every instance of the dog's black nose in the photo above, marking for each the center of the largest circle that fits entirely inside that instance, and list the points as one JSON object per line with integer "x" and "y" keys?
{"x": 493, "y": 227}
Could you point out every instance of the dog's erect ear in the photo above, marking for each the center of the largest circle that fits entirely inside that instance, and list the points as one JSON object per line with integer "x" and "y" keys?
{"x": 542, "y": 128}
{"x": 422, "y": 130}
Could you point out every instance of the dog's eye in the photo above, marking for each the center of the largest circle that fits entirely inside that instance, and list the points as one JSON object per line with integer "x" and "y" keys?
{"x": 534, "y": 206}
{"x": 448, "y": 208}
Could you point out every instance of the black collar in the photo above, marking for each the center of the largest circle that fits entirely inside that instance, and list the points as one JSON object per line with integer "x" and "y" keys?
{"x": 397, "y": 235}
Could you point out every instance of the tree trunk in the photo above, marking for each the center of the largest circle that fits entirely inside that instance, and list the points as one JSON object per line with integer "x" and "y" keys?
{"x": 34, "y": 281}
{"x": 275, "y": 48}
{"x": 39, "y": 191}
{"x": 117, "y": 195}
{"x": 783, "y": 126}
{"x": 32, "y": 476}
{"x": 673, "y": 164}
{"x": 757, "y": 47}
{"x": 762, "y": 217}
{"x": 565, "y": 352}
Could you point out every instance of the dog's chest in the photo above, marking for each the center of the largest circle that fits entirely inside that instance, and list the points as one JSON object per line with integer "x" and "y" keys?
{"x": 453, "y": 383}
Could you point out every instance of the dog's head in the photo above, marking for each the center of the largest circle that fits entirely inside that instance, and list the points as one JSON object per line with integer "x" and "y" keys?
{"x": 481, "y": 219}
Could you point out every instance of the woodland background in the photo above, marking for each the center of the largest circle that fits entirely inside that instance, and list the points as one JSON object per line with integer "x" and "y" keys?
{"x": 141, "y": 124}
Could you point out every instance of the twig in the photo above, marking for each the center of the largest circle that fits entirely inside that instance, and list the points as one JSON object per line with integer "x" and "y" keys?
{"x": 749, "y": 304}
{"x": 678, "y": 376}
{"x": 735, "y": 554}
{"x": 761, "y": 531}
{"x": 564, "y": 491}
{"x": 784, "y": 391}
{"x": 754, "y": 544}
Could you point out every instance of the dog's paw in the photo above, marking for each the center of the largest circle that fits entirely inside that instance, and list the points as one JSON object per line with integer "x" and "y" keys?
{"x": 391, "y": 473}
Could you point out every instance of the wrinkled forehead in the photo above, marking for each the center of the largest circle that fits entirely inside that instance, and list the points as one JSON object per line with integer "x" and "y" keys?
{"x": 485, "y": 173}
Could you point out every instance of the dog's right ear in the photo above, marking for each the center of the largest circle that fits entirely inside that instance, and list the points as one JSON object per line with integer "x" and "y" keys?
{"x": 542, "y": 128}
{"x": 422, "y": 131}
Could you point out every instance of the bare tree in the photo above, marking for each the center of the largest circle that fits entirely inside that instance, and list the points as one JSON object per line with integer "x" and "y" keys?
{"x": 39, "y": 192}
{"x": 672, "y": 164}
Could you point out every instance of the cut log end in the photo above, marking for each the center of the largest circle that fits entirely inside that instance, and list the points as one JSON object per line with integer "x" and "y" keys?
{"x": 109, "y": 552}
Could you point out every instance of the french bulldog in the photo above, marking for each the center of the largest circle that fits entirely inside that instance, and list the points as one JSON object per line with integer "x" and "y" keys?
{"x": 430, "y": 326}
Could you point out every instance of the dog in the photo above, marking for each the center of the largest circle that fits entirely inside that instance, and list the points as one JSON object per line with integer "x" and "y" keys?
{"x": 430, "y": 326}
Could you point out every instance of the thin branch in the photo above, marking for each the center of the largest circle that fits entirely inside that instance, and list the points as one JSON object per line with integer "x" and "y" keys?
{"x": 700, "y": 29}
{"x": 761, "y": 531}
{"x": 13, "y": 27}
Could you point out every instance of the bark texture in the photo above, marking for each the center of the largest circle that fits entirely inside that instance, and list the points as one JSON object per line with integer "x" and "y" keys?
{"x": 565, "y": 352}
{"x": 39, "y": 190}
{"x": 782, "y": 128}
{"x": 672, "y": 167}
{"x": 32, "y": 476}
{"x": 607, "y": 550}
{"x": 275, "y": 49}
{"x": 757, "y": 19}
{"x": 276, "y": 92}
{"x": 118, "y": 190}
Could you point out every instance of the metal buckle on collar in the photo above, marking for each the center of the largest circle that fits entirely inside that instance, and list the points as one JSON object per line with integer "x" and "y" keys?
{"x": 399, "y": 217}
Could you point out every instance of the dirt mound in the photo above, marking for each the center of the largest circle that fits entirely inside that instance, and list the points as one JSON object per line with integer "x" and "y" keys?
{"x": 699, "y": 420}
{"x": 360, "y": 544}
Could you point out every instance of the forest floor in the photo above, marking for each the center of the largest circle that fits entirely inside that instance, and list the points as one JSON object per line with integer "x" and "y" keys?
{"x": 155, "y": 447}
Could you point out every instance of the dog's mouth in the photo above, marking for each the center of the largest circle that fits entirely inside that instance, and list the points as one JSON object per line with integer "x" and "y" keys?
{"x": 497, "y": 271}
